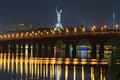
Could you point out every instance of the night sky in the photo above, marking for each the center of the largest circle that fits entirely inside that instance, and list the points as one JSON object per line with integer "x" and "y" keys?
{"x": 42, "y": 12}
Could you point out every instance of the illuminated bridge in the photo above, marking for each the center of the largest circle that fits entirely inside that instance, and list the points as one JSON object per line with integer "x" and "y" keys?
{"x": 70, "y": 42}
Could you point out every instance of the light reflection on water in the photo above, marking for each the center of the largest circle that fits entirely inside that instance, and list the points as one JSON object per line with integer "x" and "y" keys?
{"x": 51, "y": 69}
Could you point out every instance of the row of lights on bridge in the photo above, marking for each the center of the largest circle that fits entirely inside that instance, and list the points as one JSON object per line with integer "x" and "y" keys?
{"x": 33, "y": 33}
{"x": 46, "y": 32}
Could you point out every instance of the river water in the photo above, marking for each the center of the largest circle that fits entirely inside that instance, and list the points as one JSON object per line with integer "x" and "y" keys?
{"x": 24, "y": 68}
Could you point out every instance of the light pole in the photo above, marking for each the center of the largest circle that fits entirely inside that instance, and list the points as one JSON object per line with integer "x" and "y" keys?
{"x": 116, "y": 27}
{"x": 105, "y": 27}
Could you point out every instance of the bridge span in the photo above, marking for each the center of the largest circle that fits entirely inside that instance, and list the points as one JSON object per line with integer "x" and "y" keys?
{"x": 73, "y": 42}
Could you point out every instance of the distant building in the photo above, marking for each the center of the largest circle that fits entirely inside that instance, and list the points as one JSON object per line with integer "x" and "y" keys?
{"x": 17, "y": 27}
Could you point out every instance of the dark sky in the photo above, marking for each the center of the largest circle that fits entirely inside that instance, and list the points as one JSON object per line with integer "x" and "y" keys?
{"x": 42, "y": 12}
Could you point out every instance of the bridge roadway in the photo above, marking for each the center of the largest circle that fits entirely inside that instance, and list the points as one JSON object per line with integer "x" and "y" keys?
{"x": 43, "y": 42}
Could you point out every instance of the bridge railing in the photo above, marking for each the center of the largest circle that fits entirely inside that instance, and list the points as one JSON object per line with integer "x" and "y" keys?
{"x": 52, "y": 33}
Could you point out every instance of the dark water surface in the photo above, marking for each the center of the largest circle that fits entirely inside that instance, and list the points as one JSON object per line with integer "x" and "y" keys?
{"x": 52, "y": 69}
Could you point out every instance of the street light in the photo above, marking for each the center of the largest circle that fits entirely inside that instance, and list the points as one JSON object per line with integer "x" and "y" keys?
{"x": 75, "y": 30}
{"x": 8, "y": 35}
{"x": 26, "y": 34}
{"x": 1, "y": 37}
{"x": 105, "y": 27}
{"x": 116, "y": 27}
{"x": 53, "y": 32}
{"x": 12, "y": 35}
{"x": 102, "y": 29}
{"x": 67, "y": 30}
{"x": 41, "y": 33}
{"x": 5, "y": 36}
{"x": 47, "y": 32}
{"x": 17, "y": 35}
{"x": 93, "y": 28}
{"x": 59, "y": 31}
{"x": 21, "y": 34}
{"x": 32, "y": 32}
{"x": 36, "y": 34}
{"x": 83, "y": 29}
{"x": 38, "y": 31}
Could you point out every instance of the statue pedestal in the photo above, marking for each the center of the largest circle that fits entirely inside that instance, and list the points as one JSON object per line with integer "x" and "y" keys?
{"x": 58, "y": 26}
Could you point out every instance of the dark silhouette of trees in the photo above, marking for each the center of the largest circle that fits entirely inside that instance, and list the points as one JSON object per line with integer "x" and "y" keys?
{"x": 115, "y": 57}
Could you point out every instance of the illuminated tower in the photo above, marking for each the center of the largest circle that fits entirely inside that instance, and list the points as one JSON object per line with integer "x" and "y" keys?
{"x": 113, "y": 20}
{"x": 58, "y": 25}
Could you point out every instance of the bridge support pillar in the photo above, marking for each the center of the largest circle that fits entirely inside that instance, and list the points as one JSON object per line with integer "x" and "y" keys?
{"x": 13, "y": 48}
{"x": 74, "y": 50}
{"x": 35, "y": 49}
{"x": 39, "y": 50}
{"x": 67, "y": 52}
{"x": 101, "y": 51}
{"x": 42, "y": 51}
{"x": 46, "y": 50}
{"x": 19, "y": 49}
{"x": 30, "y": 50}
{"x": 4, "y": 48}
{"x": 93, "y": 54}
{"x": 23, "y": 49}
{"x": 52, "y": 50}
{"x": 49, "y": 49}
{"x": 0, "y": 47}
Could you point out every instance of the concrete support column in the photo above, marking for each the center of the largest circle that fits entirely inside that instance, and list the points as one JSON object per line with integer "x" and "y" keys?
{"x": 30, "y": 49}
{"x": 74, "y": 50}
{"x": 49, "y": 49}
{"x": 5, "y": 48}
{"x": 39, "y": 50}
{"x": 17, "y": 47}
{"x": 23, "y": 48}
{"x": 52, "y": 50}
{"x": 101, "y": 51}
{"x": 67, "y": 51}
{"x": 42, "y": 51}
{"x": 35, "y": 52}
{"x": 35, "y": 49}
{"x": 46, "y": 50}
{"x": 1, "y": 47}
{"x": 93, "y": 54}
{"x": 9, "y": 48}
{"x": 13, "y": 48}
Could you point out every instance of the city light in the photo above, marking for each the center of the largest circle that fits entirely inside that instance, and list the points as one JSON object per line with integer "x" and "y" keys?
{"x": 93, "y": 28}
{"x": 51, "y": 32}
{"x": 67, "y": 31}
{"x": 105, "y": 27}
{"x": 116, "y": 27}
{"x": 75, "y": 29}
{"x": 83, "y": 29}
{"x": 12, "y": 35}
{"x": 102, "y": 29}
